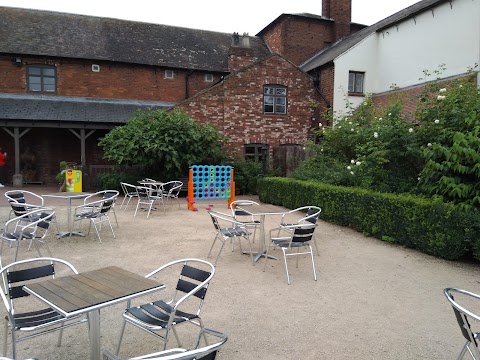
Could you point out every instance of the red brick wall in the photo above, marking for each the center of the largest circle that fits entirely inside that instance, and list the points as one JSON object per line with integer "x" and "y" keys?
{"x": 408, "y": 96}
{"x": 298, "y": 39}
{"x": 115, "y": 81}
{"x": 326, "y": 76}
{"x": 235, "y": 106}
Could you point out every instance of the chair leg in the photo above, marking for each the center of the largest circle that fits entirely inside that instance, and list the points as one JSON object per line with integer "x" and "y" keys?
{"x": 176, "y": 337}
{"x": 14, "y": 344}
{"x": 95, "y": 226}
{"x": 313, "y": 263}
{"x": 125, "y": 198}
{"x": 251, "y": 251}
{"x": 286, "y": 265}
{"x": 5, "y": 337}
{"x": 211, "y": 247}
{"x": 115, "y": 214}
{"x": 111, "y": 227}
{"x": 136, "y": 209}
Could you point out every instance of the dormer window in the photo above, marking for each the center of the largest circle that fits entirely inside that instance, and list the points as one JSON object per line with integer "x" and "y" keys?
{"x": 169, "y": 74}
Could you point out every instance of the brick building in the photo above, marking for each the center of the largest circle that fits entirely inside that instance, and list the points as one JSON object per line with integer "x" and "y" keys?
{"x": 68, "y": 79}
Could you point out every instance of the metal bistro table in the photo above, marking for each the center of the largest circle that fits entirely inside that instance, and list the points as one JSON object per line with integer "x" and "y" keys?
{"x": 90, "y": 291}
{"x": 262, "y": 250}
{"x": 69, "y": 196}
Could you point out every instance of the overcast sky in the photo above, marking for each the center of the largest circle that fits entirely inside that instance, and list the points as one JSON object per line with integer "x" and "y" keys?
{"x": 248, "y": 16}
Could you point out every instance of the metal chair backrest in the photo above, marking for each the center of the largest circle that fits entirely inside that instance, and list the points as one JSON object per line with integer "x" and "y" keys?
{"x": 238, "y": 208}
{"x": 192, "y": 281}
{"x": 21, "y": 272}
{"x": 312, "y": 215}
{"x": 303, "y": 232}
{"x": 462, "y": 314}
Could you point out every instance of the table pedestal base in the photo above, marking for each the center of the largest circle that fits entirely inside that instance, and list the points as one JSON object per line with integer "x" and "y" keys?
{"x": 258, "y": 255}
{"x": 69, "y": 234}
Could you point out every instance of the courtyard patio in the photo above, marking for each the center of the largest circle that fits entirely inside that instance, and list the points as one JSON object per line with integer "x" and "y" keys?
{"x": 372, "y": 299}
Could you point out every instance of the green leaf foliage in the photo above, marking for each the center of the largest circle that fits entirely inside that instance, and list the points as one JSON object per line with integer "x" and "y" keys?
{"x": 165, "y": 143}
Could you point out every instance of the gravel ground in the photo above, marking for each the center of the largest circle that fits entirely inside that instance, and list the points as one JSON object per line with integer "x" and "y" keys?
{"x": 372, "y": 300}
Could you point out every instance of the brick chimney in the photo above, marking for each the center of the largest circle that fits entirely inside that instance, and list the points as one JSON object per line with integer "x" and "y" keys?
{"x": 240, "y": 53}
{"x": 341, "y": 12}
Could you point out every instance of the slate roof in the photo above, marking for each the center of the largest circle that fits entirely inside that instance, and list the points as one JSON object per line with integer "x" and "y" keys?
{"x": 47, "y": 33}
{"x": 42, "y": 108}
{"x": 329, "y": 54}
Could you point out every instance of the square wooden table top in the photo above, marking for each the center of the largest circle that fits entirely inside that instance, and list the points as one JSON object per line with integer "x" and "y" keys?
{"x": 91, "y": 290}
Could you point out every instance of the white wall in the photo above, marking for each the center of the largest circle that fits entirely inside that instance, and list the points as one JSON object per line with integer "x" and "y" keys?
{"x": 448, "y": 34}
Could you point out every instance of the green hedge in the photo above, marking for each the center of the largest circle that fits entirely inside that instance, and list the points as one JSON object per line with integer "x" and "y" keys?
{"x": 433, "y": 227}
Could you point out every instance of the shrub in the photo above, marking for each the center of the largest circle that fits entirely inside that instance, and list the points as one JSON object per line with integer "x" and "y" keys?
{"x": 165, "y": 143}
{"x": 436, "y": 228}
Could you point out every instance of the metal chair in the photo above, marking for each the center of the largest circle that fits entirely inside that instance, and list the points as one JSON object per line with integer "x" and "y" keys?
{"x": 129, "y": 192}
{"x": 296, "y": 236}
{"x": 32, "y": 226}
{"x": 24, "y": 314}
{"x": 160, "y": 317}
{"x": 171, "y": 190}
{"x": 144, "y": 198}
{"x": 240, "y": 212}
{"x": 206, "y": 352}
{"x": 463, "y": 315}
{"x": 228, "y": 228}
{"x": 23, "y": 201}
{"x": 312, "y": 213}
{"x": 97, "y": 211}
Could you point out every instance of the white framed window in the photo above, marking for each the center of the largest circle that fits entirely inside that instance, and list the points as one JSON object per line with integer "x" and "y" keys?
{"x": 95, "y": 68}
{"x": 274, "y": 99}
{"x": 169, "y": 74}
{"x": 209, "y": 77}
{"x": 355, "y": 82}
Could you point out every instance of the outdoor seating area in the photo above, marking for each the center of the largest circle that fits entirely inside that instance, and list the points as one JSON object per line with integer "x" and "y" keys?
{"x": 151, "y": 266}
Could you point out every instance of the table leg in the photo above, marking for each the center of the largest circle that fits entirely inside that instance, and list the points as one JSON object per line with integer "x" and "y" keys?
{"x": 262, "y": 251}
{"x": 94, "y": 334}
{"x": 70, "y": 231}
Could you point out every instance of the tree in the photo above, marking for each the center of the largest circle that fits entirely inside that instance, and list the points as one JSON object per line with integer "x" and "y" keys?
{"x": 450, "y": 138}
{"x": 166, "y": 143}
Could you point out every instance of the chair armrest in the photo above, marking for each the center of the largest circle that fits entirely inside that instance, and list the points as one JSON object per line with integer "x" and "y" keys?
{"x": 89, "y": 206}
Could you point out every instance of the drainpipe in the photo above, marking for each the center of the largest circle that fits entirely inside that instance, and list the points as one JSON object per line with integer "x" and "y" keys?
{"x": 316, "y": 84}
{"x": 187, "y": 76}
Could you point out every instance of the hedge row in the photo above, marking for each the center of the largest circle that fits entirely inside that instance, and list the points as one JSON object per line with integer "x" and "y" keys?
{"x": 433, "y": 227}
